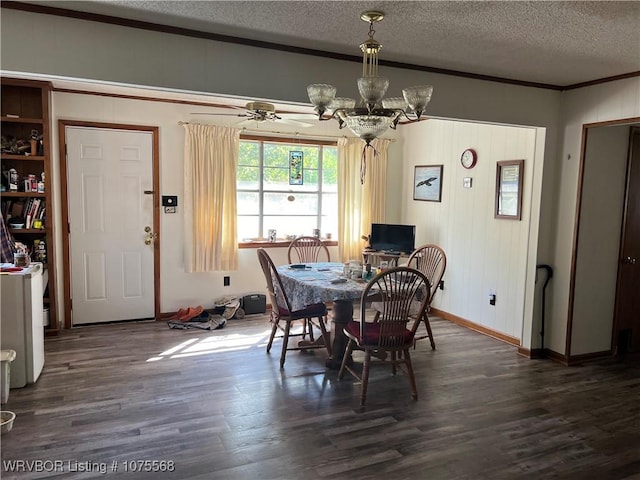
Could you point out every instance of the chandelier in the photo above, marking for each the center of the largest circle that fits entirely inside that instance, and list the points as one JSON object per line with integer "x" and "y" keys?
{"x": 375, "y": 114}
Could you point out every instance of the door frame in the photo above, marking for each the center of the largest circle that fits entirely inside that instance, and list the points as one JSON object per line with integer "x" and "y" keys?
{"x": 64, "y": 194}
{"x": 635, "y": 132}
{"x": 567, "y": 357}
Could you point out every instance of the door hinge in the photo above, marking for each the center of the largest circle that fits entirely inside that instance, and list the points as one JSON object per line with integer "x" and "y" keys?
{"x": 68, "y": 227}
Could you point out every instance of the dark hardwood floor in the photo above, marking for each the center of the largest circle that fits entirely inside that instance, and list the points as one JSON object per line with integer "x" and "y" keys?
{"x": 218, "y": 407}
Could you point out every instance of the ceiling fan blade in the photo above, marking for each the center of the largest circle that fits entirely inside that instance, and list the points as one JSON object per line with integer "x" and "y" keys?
{"x": 299, "y": 116}
{"x": 238, "y": 107}
{"x": 294, "y": 122}
{"x": 249, "y": 122}
{"x": 223, "y": 114}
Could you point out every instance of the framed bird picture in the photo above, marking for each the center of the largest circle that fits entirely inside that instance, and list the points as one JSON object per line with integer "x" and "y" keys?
{"x": 427, "y": 183}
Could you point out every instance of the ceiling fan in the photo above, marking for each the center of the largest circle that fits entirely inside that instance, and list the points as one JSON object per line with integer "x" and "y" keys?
{"x": 261, "y": 112}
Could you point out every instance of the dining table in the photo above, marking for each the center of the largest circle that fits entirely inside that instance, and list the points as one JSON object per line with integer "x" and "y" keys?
{"x": 324, "y": 282}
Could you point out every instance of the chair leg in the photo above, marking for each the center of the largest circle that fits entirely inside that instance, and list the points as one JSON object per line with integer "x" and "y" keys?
{"x": 307, "y": 321}
{"x": 412, "y": 378}
{"x": 273, "y": 334}
{"x": 428, "y": 325}
{"x": 347, "y": 354}
{"x": 325, "y": 335}
{"x": 365, "y": 377}
{"x": 394, "y": 362}
{"x": 285, "y": 344}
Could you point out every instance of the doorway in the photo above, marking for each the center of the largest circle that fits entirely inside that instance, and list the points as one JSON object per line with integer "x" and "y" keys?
{"x": 603, "y": 194}
{"x": 110, "y": 206}
{"x": 626, "y": 334}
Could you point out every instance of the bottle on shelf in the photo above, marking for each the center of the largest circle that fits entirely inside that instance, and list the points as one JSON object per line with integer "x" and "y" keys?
{"x": 13, "y": 180}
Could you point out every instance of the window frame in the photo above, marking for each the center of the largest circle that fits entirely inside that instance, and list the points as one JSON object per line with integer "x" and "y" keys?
{"x": 312, "y": 142}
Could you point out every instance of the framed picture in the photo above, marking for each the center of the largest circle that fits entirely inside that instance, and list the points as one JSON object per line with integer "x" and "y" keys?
{"x": 509, "y": 175}
{"x": 427, "y": 183}
{"x": 295, "y": 167}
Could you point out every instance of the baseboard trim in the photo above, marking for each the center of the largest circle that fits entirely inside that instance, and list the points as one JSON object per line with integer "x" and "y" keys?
{"x": 556, "y": 357}
{"x": 476, "y": 327}
{"x": 585, "y": 357}
{"x": 530, "y": 354}
{"x": 539, "y": 353}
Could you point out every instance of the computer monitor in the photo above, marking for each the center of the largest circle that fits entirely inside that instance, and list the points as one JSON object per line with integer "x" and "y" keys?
{"x": 393, "y": 238}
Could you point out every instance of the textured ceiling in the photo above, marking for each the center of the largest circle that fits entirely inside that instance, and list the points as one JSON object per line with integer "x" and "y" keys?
{"x": 556, "y": 43}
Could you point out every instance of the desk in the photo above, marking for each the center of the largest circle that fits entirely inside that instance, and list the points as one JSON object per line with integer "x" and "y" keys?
{"x": 374, "y": 257}
{"x": 313, "y": 285}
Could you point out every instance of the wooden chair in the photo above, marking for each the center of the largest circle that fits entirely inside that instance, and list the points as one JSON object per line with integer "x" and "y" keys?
{"x": 307, "y": 250}
{"x": 281, "y": 312}
{"x": 387, "y": 337}
{"x": 431, "y": 261}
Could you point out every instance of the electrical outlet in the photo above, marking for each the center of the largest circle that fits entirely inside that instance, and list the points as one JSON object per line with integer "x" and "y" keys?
{"x": 169, "y": 209}
{"x": 226, "y": 281}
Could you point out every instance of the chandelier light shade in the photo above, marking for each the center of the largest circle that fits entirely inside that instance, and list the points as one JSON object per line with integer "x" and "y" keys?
{"x": 418, "y": 97}
{"x": 395, "y": 103}
{"x": 368, "y": 127}
{"x": 375, "y": 114}
{"x": 321, "y": 95}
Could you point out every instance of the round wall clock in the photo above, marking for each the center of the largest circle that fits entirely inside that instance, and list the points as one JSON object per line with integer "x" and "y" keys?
{"x": 469, "y": 158}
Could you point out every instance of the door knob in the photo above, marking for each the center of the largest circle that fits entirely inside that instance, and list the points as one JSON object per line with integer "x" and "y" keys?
{"x": 629, "y": 260}
{"x": 150, "y": 236}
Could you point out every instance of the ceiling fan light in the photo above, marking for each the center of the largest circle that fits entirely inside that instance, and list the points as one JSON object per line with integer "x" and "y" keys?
{"x": 321, "y": 94}
{"x": 261, "y": 107}
{"x": 418, "y": 97}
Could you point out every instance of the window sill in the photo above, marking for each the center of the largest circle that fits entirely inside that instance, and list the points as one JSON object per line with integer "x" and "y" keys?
{"x": 278, "y": 244}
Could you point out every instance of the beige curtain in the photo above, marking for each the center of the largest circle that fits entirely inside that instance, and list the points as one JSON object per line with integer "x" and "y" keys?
{"x": 360, "y": 205}
{"x": 210, "y": 159}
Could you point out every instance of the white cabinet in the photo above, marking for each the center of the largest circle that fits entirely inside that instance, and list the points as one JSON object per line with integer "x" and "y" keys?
{"x": 21, "y": 322}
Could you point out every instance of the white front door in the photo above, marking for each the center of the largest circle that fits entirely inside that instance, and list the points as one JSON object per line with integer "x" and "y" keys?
{"x": 112, "y": 269}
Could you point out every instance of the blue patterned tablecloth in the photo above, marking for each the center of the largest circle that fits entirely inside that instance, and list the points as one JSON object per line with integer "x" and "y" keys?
{"x": 313, "y": 284}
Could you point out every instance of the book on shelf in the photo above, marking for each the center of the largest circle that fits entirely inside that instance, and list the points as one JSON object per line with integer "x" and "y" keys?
{"x": 32, "y": 211}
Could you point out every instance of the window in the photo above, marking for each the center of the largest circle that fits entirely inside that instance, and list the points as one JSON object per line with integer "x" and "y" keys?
{"x": 271, "y": 194}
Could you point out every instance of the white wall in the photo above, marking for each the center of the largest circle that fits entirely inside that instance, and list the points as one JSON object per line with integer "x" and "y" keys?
{"x": 483, "y": 253}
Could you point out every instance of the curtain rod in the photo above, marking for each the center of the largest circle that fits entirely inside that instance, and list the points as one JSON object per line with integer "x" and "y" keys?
{"x": 296, "y": 134}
